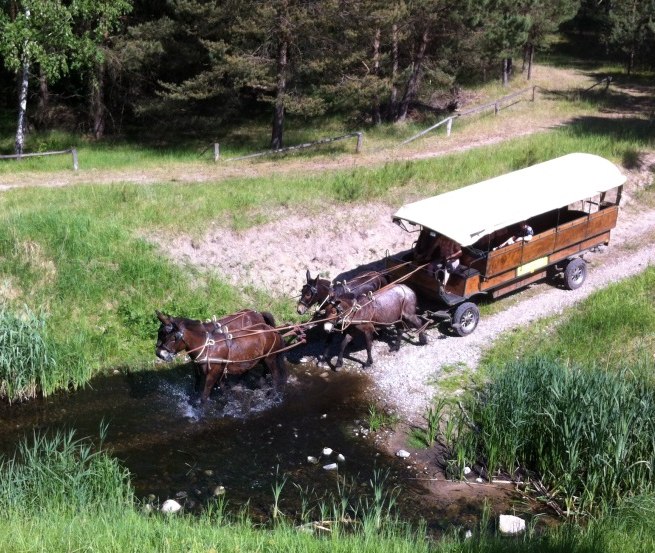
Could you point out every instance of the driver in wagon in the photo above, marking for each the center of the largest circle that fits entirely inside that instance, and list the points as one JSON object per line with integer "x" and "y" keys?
{"x": 443, "y": 255}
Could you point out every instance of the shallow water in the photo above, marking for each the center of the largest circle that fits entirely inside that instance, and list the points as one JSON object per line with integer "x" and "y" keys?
{"x": 246, "y": 443}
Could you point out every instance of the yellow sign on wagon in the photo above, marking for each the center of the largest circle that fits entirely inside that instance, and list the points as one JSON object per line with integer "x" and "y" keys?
{"x": 532, "y": 266}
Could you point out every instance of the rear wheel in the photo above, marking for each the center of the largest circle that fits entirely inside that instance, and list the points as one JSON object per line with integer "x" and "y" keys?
{"x": 465, "y": 318}
{"x": 575, "y": 273}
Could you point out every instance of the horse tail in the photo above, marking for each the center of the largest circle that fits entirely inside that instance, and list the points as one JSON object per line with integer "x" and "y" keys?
{"x": 268, "y": 318}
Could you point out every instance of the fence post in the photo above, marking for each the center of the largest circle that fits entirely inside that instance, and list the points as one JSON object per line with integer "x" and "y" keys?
{"x": 449, "y": 126}
{"x": 533, "y": 89}
{"x": 496, "y": 108}
{"x": 75, "y": 164}
{"x": 217, "y": 151}
{"x": 608, "y": 80}
{"x": 360, "y": 139}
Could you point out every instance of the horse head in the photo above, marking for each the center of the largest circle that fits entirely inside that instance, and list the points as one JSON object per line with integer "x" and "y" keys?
{"x": 313, "y": 291}
{"x": 336, "y": 308}
{"x": 170, "y": 337}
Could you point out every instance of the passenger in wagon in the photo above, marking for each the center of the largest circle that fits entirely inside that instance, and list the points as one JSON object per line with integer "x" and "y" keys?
{"x": 524, "y": 233}
{"x": 443, "y": 254}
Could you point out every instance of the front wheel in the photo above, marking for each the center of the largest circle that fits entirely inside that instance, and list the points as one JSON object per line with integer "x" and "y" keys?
{"x": 575, "y": 273}
{"x": 465, "y": 319}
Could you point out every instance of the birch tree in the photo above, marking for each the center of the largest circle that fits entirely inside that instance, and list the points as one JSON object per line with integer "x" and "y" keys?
{"x": 34, "y": 33}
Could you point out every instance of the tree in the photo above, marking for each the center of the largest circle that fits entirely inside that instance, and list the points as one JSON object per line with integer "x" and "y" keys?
{"x": 632, "y": 25}
{"x": 55, "y": 37}
{"x": 543, "y": 18}
{"x": 94, "y": 21}
{"x": 34, "y": 32}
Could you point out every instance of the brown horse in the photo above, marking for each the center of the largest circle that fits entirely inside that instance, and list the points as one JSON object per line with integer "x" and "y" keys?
{"x": 218, "y": 354}
{"x": 316, "y": 290}
{"x": 235, "y": 321}
{"x": 392, "y": 306}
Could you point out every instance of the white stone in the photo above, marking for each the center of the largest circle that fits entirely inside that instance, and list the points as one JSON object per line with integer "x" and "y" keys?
{"x": 340, "y": 458}
{"x": 312, "y": 460}
{"x": 327, "y": 451}
{"x": 218, "y": 490}
{"x": 331, "y": 466}
{"x": 467, "y": 470}
{"x": 509, "y": 524}
{"x": 170, "y": 506}
{"x": 468, "y": 535}
{"x": 479, "y": 480}
{"x": 402, "y": 454}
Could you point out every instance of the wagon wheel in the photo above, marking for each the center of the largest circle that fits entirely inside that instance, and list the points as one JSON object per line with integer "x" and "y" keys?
{"x": 575, "y": 273}
{"x": 465, "y": 319}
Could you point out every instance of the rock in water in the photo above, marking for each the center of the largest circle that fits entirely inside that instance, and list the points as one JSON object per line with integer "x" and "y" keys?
{"x": 510, "y": 525}
{"x": 170, "y": 506}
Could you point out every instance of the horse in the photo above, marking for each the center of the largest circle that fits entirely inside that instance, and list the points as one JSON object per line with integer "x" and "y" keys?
{"x": 316, "y": 290}
{"x": 392, "y": 306}
{"x": 218, "y": 354}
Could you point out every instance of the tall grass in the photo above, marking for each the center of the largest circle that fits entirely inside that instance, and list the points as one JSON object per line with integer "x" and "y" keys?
{"x": 25, "y": 357}
{"x": 589, "y": 435}
{"x": 63, "y": 474}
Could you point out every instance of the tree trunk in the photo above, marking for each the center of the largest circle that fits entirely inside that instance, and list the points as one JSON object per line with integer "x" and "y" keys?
{"x": 376, "y": 117}
{"x": 22, "y": 109}
{"x": 507, "y": 64}
{"x": 278, "y": 111}
{"x": 393, "y": 98}
{"x": 97, "y": 101}
{"x": 413, "y": 81}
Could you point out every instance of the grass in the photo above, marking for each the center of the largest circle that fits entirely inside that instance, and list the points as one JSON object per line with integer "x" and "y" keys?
{"x": 616, "y": 324}
{"x": 379, "y": 419}
{"x": 25, "y": 361}
{"x": 570, "y": 401}
{"x": 60, "y": 493}
{"x": 586, "y": 434}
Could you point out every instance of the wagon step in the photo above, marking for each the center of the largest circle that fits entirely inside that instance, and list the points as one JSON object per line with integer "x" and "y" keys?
{"x": 448, "y": 298}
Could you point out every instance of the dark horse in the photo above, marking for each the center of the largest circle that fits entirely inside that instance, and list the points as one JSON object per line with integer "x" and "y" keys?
{"x": 393, "y": 306}
{"x": 218, "y": 353}
{"x": 316, "y": 290}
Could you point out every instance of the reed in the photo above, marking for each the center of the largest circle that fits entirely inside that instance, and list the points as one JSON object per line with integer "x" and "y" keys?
{"x": 587, "y": 434}
{"x": 64, "y": 474}
{"x": 26, "y": 358}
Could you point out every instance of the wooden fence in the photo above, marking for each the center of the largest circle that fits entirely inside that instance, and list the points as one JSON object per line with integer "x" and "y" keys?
{"x": 72, "y": 151}
{"x": 497, "y": 105}
{"x": 358, "y": 147}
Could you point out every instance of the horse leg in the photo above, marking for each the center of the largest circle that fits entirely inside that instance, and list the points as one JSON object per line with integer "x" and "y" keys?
{"x": 210, "y": 380}
{"x": 399, "y": 334}
{"x": 347, "y": 338}
{"x": 277, "y": 366}
{"x": 368, "y": 330}
{"x": 328, "y": 343}
{"x": 416, "y": 323}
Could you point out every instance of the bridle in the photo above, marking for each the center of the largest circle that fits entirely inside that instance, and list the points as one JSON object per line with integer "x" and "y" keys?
{"x": 177, "y": 337}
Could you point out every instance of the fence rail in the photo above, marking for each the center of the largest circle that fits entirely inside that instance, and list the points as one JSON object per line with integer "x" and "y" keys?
{"x": 497, "y": 105}
{"x": 72, "y": 151}
{"x": 358, "y": 147}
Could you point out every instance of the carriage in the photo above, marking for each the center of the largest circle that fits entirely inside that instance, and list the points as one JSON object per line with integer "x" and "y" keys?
{"x": 570, "y": 203}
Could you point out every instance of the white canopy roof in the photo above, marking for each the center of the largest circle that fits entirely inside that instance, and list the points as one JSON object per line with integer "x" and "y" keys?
{"x": 469, "y": 213}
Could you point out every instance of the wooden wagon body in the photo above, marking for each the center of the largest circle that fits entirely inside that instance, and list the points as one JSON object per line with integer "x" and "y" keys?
{"x": 571, "y": 203}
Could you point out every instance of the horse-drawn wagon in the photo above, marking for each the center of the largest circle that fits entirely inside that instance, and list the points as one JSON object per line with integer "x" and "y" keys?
{"x": 508, "y": 232}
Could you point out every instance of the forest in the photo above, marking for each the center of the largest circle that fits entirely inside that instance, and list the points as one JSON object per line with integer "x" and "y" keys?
{"x": 140, "y": 68}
